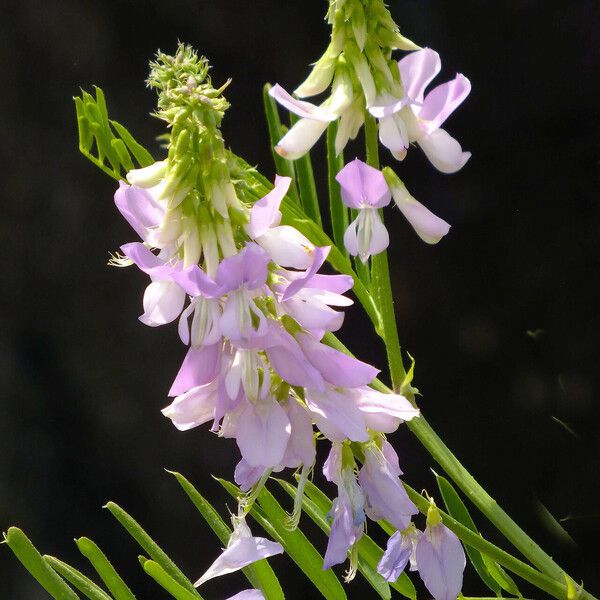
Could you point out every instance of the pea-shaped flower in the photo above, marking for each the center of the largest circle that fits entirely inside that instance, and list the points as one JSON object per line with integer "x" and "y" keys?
{"x": 364, "y": 188}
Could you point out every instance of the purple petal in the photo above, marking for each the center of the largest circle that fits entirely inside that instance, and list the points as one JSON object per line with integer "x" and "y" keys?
{"x": 248, "y": 267}
{"x": 301, "y": 445}
{"x": 351, "y": 238}
{"x": 371, "y": 401}
{"x": 139, "y": 208}
{"x": 336, "y": 415}
{"x": 265, "y": 212}
{"x": 301, "y": 108}
{"x": 443, "y": 151}
{"x": 147, "y": 261}
{"x": 290, "y": 363}
{"x": 319, "y": 255}
{"x": 196, "y": 282}
{"x": 248, "y": 595}
{"x": 380, "y": 238}
{"x": 246, "y": 476}
{"x": 387, "y": 110}
{"x": 200, "y": 366}
{"x": 443, "y": 100}
{"x": 195, "y": 407}
{"x": 441, "y": 562}
{"x": 338, "y": 284}
{"x": 395, "y": 557}
{"x": 163, "y": 303}
{"x": 417, "y": 69}
{"x": 386, "y": 496}
{"x": 332, "y": 467}
{"x": 429, "y": 227}
{"x": 341, "y": 536}
{"x": 241, "y": 553}
{"x": 363, "y": 185}
{"x": 263, "y": 433}
{"x": 335, "y": 367}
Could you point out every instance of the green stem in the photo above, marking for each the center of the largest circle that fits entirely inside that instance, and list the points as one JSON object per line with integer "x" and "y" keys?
{"x": 338, "y": 210}
{"x": 306, "y": 183}
{"x": 380, "y": 278}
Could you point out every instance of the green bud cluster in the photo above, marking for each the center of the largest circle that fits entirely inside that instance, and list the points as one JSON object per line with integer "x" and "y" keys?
{"x": 199, "y": 188}
{"x": 363, "y": 37}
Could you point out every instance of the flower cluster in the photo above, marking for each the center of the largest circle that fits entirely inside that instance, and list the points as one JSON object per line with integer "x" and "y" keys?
{"x": 253, "y": 309}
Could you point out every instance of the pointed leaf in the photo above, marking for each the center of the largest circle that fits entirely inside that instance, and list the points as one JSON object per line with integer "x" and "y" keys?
{"x": 116, "y": 586}
{"x": 78, "y": 580}
{"x": 503, "y": 579}
{"x": 259, "y": 574}
{"x": 163, "y": 579}
{"x": 150, "y": 546}
{"x": 140, "y": 153}
{"x": 32, "y": 560}
{"x": 272, "y": 517}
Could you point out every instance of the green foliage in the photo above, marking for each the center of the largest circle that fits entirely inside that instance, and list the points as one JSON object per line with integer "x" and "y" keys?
{"x": 104, "y": 142}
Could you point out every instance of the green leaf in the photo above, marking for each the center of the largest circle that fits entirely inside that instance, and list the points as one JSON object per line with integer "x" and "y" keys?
{"x": 32, "y": 560}
{"x": 140, "y": 153}
{"x": 259, "y": 574}
{"x": 163, "y": 579}
{"x": 316, "y": 505}
{"x": 458, "y": 510}
{"x": 282, "y": 166}
{"x": 78, "y": 580}
{"x": 121, "y": 149}
{"x": 116, "y": 586}
{"x": 272, "y": 517}
{"x": 505, "y": 581}
{"x": 150, "y": 546}
{"x": 306, "y": 184}
{"x": 337, "y": 209}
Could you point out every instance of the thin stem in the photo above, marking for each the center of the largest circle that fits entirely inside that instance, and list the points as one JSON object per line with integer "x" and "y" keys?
{"x": 306, "y": 184}
{"x": 380, "y": 278}
{"x": 338, "y": 210}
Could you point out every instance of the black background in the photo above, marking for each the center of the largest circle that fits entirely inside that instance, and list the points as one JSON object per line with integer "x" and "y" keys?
{"x": 83, "y": 380}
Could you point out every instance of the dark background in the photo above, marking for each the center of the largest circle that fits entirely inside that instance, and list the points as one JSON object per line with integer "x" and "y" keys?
{"x": 83, "y": 380}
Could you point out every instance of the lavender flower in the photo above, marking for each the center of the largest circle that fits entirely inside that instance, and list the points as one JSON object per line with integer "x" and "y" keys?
{"x": 364, "y": 188}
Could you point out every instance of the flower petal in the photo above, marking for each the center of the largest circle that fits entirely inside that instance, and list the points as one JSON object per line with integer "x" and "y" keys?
{"x": 336, "y": 367}
{"x": 319, "y": 255}
{"x": 429, "y": 227}
{"x": 443, "y": 151}
{"x": 200, "y": 366}
{"x": 363, "y": 185}
{"x": 287, "y": 247}
{"x": 303, "y": 109}
{"x": 395, "y": 557}
{"x": 443, "y": 100}
{"x": 441, "y": 562}
{"x": 248, "y": 595}
{"x": 163, "y": 303}
{"x": 265, "y": 212}
{"x": 417, "y": 69}
{"x": 195, "y": 407}
{"x": 302, "y": 136}
{"x": 263, "y": 433}
{"x": 243, "y": 552}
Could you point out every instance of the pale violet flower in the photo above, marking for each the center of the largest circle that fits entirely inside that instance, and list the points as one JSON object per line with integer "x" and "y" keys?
{"x": 440, "y": 559}
{"x": 242, "y": 550}
{"x": 423, "y": 115}
{"x": 314, "y": 119}
{"x": 428, "y": 226}
{"x": 346, "y": 514}
{"x": 400, "y": 550}
{"x": 386, "y": 497}
{"x": 248, "y": 595}
{"x": 364, "y": 188}
{"x": 163, "y": 298}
